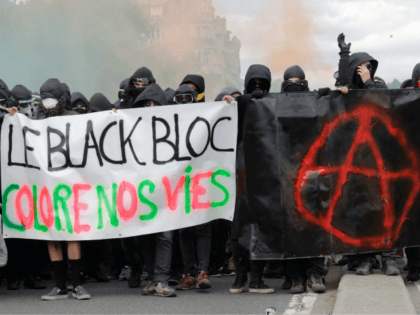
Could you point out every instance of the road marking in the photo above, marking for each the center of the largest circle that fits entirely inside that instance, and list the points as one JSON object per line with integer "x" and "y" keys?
{"x": 301, "y": 303}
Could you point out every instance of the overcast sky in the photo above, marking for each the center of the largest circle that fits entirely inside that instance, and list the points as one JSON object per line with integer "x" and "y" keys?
{"x": 387, "y": 30}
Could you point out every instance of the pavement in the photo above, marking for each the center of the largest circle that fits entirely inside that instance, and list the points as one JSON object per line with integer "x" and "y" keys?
{"x": 116, "y": 298}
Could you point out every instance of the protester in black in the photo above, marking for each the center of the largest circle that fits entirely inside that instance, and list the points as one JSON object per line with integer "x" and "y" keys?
{"x": 170, "y": 93}
{"x": 79, "y": 103}
{"x": 137, "y": 84}
{"x": 198, "y": 84}
{"x": 52, "y": 105}
{"x": 123, "y": 97}
{"x": 98, "y": 103}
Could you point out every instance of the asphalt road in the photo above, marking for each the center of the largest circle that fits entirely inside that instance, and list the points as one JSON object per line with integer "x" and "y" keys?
{"x": 116, "y": 298}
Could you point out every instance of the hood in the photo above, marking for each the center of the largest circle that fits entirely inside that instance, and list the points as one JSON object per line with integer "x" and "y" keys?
{"x": 21, "y": 93}
{"x": 406, "y": 83}
{"x": 141, "y": 73}
{"x": 99, "y": 103}
{"x": 185, "y": 89}
{"x": 51, "y": 89}
{"x": 76, "y": 96}
{"x": 3, "y": 95}
{"x": 154, "y": 93}
{"x": 257, "y": 72}
{"x": 229, "y": 90}
{"x": 197, "y": 80}
{"x": 294, "y": 72}
{"x": 169, "y": 94}
{"x": 4, "y": 87}
{"x": 356, "y": 60}
{"x": 67, "y": 95}
{"x": 416, "y": 76}
{"x": 124, "y": 84}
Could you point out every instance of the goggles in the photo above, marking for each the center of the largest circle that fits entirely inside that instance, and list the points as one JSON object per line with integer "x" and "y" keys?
{"x": 148, "y": 103}
{"x": 183, "y": 99}
{"x": 142, "y": 80}
{"x": 336, "y": 74}
{"x": 24, "y": 104}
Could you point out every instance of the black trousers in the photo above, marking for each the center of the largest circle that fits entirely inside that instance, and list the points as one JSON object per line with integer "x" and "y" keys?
{"x": 220, "y": 230}
{"x": 304, "y": 267}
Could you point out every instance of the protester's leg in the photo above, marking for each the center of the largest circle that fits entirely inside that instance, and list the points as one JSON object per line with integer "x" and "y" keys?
{"x": 413, "y": 263}
{"x": 131, "y": 251}
{"x": 149, "y": 253}
{"x": 163, "y": 259}
{"x": 365, "y": 267}
{"x": 256, "y": 284}
{"x": 218, "y": 245}
{"x": 240, "y": 259}
{"x": 11, "y": 270}
{"x": 203, "y": 233}
{"x": 389, "y": 264}
{"x": 119, "y": 258}
{"x": 295, "y": 269}
{"x": 188, "y": 257}
{"x": 176, "y": 264}
{"x": 30, "y": 269}
{"x": 316, "y": 271}
{"x": 74, "y": 254}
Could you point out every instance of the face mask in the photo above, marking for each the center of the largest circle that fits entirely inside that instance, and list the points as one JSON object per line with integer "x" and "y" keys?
{"x": 80, "y": 110}
{"x": 49, "y": 103}
{"x": 297, "y": 86}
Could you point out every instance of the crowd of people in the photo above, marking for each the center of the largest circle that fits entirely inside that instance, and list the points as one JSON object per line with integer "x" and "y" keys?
{"x": 189, "y": 257}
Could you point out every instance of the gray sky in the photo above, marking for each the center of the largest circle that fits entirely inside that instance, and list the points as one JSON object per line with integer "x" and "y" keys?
{"x": 367, "y": 24}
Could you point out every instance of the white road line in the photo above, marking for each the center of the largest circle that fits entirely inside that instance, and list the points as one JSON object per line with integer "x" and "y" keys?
{"x": 301, "y": 303}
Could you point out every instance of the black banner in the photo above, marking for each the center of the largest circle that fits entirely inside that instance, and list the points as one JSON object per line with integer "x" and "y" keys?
{"x": 331, "y": 175}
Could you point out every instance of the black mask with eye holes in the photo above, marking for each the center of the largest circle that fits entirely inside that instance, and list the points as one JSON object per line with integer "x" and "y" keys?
{"x": 297, "y": 86}
{"x": 263, "y": 86}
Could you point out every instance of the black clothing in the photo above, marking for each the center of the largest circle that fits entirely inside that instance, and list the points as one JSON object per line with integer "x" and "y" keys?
{"x": 298, "y": 86}
{"x": 257, "y": 72}
{"x": 67, "y": 95}
{"x": 416, "y": 76}
{"x": 355, "y": 82}
{"x": 123, "y": 85}
{"x": 186, "y": 89}
{"x": 3, "y": 97}
{"x": 229, "y": 90}
{"x": 170, "y": 93}
{"x": 131, "y": 91}
{"x": 21, "y": 93}
{"x": 141, "y": 73}
{"x": 294, "y": 72}
{"x": 52, "y": 88}
{"x": 406, "y": 84}
{"x": 3, "y": 87}
{"x": 304, "y": 267}
{"x": 99, "y": 103}
{"x": 77, "y": 98}
{"x": 197, "y": 80}
{"x": 152, "y": 93}
{"x": 413, "y": 256}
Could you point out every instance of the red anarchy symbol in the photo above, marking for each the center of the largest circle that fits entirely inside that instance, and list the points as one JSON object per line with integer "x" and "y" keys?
{"x": 365, "y": 116}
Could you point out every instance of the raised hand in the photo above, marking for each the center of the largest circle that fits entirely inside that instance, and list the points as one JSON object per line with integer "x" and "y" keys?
{"x": 342, "y": 44}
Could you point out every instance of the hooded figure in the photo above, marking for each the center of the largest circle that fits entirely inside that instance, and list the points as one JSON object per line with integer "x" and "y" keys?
{"x": 355, "y": 81}
{"x": 263, "y": 74}
{"x": 407, "y": 84}
{"x": 416, "y": 76}
{"x": 22, "y": 99}
{"x": 3, "y": 87}
{"x": 229, "y": 90}
{"x": 199, "y": 84}
{"x": 185, "y": 94}
{"x": 170, "y": 93}
{"x": 300, "y": 85}
{"x": 53, "y": 101}
{"x": 123, "y": 97}
{"x": 79, "y": 103}
{"x": 142, "y": 75}
{"x": 3, "y": 98}
{"x": 99, "y": 103}
{"x": 67, "y": 95}
{"x": 152, "y": 93}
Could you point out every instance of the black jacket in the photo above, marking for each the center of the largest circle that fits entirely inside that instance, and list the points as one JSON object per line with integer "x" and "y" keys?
{"x": 99, "y": 103}
{"x": 52, "y": 89}
{"x": 257, "y": 72}
{"x": 153, "y": 93}
{"x": 406, "y": 83}
{"x": 416, "y": 76}
{"x": 356, "y": 60}
{"x": 229, "y": 90}
{"x": 77, "y": 96}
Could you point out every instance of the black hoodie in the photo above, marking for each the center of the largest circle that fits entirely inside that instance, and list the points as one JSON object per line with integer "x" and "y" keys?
{"x": 131, "y": 91}
{"x": 416, "y": 76}
{"x": 198, "y": 81}
{"x": 67, "y": 95}
{"x": 123, "y": 97}
{"x": 52, "y": 89}
{"x": 186, "y": 89}
{"x": 229, "y": 90}
{"x": 21, "y": 93}
{"x": 152, "y": 93}
{"x": 169, "y": 93}
{"x": 99, "y": 103}
{"x": 356, "y": 60}
{"x": 257, "y": 72}
{"x": 406, "y": 84}
{"x": 3, "y": 86}
{"x": 294, "y": 72}
{"x": 77, "y": 96}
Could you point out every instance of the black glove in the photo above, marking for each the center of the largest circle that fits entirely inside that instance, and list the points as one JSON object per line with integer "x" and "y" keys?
{"x": 324, "y": 91}
{"x": 342, "y": 44}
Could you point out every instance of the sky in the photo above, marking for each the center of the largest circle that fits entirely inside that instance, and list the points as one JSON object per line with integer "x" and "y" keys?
{"x": 387, "y": 30}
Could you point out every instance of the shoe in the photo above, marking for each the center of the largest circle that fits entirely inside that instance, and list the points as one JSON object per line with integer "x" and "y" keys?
{"x": 215, "y": 272}
{"x": 389, "y": 267}
{"x": 287, "y": 284}
{"x": 135, "y": 281}
{"x": 298, "y": 286}
{"x": 125, "y": 273}
{"x": 13, "y": 285}
{"x": 238, "y": 285}
{"x": 353, "y": 264}
{"x": 80, "y": 293}
{"x": 149, "y": 289}
{"x": 413, "y": 275}
{"x": 187, "y": 283}
{"x": 274, "y": 270}
{"x": 261, "y": 288}
{"x": 316, "y": 283}
{"x": 55, "y": 294}
{"x": 98, "y": 276}
{"x": 162, "y": 289}
{"x": 144, "y": 276}
{"x": 343, "y": 261}
{"x": 406, "y": 268}
{"x": 175, "y": 278}
{"x": 227, "y": 272}
{"x": 376, "y": 264}
{"x": 34, "y": 283}
{"x": 365, "y": 268}
{"x": 203, "y": 281}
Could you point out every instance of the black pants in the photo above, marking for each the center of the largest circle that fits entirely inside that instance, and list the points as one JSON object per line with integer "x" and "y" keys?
{"x": 202, "y": 233}
{"x": 176, "y": 264}
{"x": 157, "y": 252}
{"x": 93, "y": 254}
{"x": 220, "y": 230}
{"x": 413, "y": 257}
{"x": 304, "y": 267}
{"x": 132, "y": 250}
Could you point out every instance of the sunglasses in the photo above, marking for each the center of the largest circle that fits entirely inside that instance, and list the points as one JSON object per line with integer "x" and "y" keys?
{"x": 179, "y": 99}
{"x": 142, "y": 80}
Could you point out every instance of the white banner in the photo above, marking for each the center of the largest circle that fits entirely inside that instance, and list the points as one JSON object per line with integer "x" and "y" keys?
{"x": 112, "y": 175}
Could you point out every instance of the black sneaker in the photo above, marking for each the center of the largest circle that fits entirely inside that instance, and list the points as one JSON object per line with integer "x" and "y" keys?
{"x": 227, "y": 272}
{"x": 261, "y": 288}
{"x": 55, "y": 294}
{"x": 80, "y": 293}
{"x": 215, "y": 272}
{"x": 135, "y": 278}
{"x": 238, "y": 285}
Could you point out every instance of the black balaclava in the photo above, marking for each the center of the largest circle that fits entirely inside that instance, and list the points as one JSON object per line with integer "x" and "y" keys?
{"x": 260, "y": 72}
{"x": 152, "y": 93}
{"x": 140, "y": 73}
{"x": 298, "y": 86}
{"x": 51, "y": 89}
{"x": 78, "y": 98}
{"x": 3, "y": 98}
